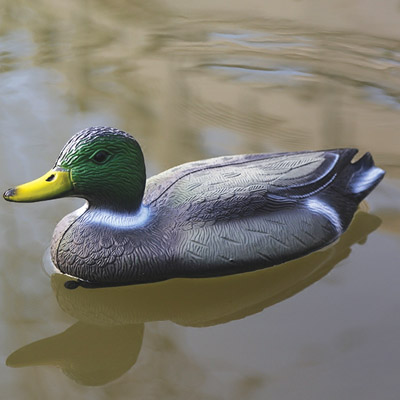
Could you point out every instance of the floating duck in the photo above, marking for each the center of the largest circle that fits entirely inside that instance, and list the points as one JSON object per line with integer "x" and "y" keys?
{"x": 212, "y": 217}
{"x": 108, "y": 314}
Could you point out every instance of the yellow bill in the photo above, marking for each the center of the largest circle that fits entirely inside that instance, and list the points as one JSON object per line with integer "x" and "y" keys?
{"x": 56, "y": 183}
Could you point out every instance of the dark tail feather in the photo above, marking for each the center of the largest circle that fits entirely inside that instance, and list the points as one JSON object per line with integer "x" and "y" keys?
{"x": 363, "y": 176}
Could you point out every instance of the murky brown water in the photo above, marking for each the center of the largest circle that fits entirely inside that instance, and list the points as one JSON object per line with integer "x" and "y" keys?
{"x": 196, "y": 81}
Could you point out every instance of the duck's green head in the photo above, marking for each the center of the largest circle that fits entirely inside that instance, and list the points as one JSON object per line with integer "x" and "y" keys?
{"x": 101, "y": 164}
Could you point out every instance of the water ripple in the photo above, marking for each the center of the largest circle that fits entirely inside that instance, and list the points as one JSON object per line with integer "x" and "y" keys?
{"x": 246, "y": 74}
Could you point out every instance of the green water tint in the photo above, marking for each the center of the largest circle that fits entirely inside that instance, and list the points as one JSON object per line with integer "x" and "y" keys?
{"x": 107, "y": 340}
{"x": 192, "y": 81}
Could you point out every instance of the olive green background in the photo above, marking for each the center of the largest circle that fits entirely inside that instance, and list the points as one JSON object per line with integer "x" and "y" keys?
{"x": 193, "y": 80}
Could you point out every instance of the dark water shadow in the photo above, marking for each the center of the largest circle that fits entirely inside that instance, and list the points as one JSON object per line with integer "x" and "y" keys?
{"x": 106, "y": 340}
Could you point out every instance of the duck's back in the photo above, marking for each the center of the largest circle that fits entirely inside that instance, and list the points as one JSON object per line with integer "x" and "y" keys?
{"x": 221, "y": 177}
{"x": 230, "y": 214}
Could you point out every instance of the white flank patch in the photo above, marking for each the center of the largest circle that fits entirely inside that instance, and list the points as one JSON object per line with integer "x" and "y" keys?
{"x": 325, "y": 210}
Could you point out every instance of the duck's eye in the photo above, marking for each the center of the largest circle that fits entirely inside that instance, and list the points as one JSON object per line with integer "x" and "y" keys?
{"x": 100, "y": 157}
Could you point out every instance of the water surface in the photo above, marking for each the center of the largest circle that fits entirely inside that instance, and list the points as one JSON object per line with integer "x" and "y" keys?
{"x": 191, "y": 81}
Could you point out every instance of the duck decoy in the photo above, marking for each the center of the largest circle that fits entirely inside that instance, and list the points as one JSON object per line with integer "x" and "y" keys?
{"x": 117, "y": 316}
{"x": 213, "y": 217}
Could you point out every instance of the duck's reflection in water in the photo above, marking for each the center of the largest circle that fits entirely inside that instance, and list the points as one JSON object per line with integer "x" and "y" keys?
{"x": 106, "y": 340}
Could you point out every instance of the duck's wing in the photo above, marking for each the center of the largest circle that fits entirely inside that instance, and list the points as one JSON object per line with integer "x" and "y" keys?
{"x": 235, "y": 214}
{"x": 248, "y": 179}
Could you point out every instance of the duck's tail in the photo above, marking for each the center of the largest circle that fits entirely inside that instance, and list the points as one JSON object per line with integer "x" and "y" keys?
{"x": 362, "y": 177}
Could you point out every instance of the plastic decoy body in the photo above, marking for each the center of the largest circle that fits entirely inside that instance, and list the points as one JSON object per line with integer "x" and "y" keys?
{"x": 206, "y": 218}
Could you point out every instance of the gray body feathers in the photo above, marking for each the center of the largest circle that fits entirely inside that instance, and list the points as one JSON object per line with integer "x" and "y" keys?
{"x": 220, "y": 216}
